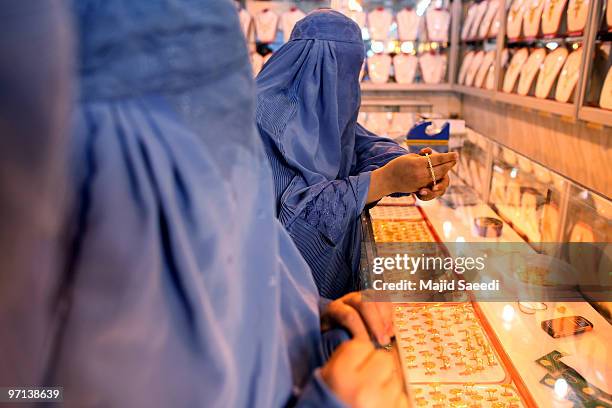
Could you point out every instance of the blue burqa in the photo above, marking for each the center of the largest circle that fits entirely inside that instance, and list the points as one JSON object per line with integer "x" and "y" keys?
{"x": 180, "y": 288}
{"x": 35, "y": 95}
{"x": 307, "y": 106}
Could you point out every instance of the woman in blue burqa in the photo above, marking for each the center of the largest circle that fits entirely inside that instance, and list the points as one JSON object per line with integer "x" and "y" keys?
{"x": 326, "y": 166}
{"x": 163, "y": 292}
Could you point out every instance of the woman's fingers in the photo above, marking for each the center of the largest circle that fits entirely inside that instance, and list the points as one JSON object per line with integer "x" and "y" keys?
{"x": 393, "y": 388}
{"x": 385, "y": 309}
{"x": 348, "y": 317}
{"x": 441, "y": 158}
{"x": 442, "y": 185}
{"x": 380, "y": 362}
{"x": 376, "y": 322}
{"x": 427, "y": 194}
{"x": 441, "y": 170}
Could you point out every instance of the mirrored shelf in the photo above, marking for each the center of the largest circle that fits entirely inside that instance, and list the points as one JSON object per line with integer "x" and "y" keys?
{"x": 543, "y": 105}
{"x": 473, "y": 91}
{"x": 394, "y": 86}
{"x": 595, "y": 115}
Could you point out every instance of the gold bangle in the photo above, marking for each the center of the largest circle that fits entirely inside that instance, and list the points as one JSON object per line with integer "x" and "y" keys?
{"x": 431, "y": 169}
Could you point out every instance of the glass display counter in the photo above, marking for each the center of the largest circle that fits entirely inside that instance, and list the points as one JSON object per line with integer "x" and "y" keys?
{"x": 473, "y": 353}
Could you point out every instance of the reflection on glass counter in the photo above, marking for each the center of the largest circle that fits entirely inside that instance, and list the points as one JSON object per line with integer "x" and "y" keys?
{"x": 472, "y": 167}
{"x": 527, "y": 195}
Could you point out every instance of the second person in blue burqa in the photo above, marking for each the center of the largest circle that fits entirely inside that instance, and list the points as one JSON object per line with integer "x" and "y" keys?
{"x": 326, "y": 166}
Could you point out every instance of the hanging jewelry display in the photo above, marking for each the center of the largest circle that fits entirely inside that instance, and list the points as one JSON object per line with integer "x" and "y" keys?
{"x": 473, "y": 68}
{"x": 530, "y": 70}
{"x": 467, "y": 60}
{"x": 553, "y": 63}
{"x": 246, "y": 23}
{"x": 490, "y": 81}
{"x": 552, "y": 15}
{"x": 408, "y": 22}
{"x": 568, "y": 78}
{"x": 433, "y": 67}
{"x": 605, "y": 98}
{"x": 379, "y": 24}
{"x": 485, "y": 30}
{"x": 266, "y": 24}
{"x": 481, "y": 11}
{"x": 437, "y": 21}
{"x": 379, "y": 68}
{"x": 487, "y": 63}
{"x": 469, "y": 21}
{"x": 514, "y": 69}
{"x": 515, "y": 19}
{"x": 404, "y": 66}
{"x": 577, "y": 14}
{"x": 532, "y": 18}
{"x": 288, "y": 20}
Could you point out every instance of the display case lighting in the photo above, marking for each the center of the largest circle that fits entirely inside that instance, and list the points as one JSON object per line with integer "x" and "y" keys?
{"x": 552, "y": 46}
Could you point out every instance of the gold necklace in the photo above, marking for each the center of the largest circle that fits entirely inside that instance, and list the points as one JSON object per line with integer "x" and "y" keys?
{"x": 548, "y": 69}
{"x": 577, "y": 6}
{"x": 515, "y": 9}
{"x": 532, "y": 10}
{"x": 551, "y": 8}
{"x": 513, "y": 65}
{"x": 565, "y": 78}
{"x": 566, "y": 75}
{"x": 529, "y": 71}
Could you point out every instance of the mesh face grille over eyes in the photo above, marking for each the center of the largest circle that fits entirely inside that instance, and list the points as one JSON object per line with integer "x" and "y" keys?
{"x": 327, "y": 25}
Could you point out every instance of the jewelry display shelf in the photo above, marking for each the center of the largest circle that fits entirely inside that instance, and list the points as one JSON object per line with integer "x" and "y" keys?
{"x": 539, "y": 104}
{"x": 394, "y": 105}
{"x": 473, "y": 91}
{"x": 595, "y": 115}
{"x": 394, "y": 86}
{"x": 577, "y": 109}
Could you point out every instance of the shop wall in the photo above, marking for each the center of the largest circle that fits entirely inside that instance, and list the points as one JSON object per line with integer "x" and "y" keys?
{"x": 445, "y": 103}
{"x": 575, "y": 149}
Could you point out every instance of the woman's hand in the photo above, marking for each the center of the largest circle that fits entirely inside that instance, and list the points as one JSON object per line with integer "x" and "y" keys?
{"x": 362, "y": 377}
{"x": 411, "y": 174}
{"x": 363, "y": 319}
{"x": 429, "y": 193}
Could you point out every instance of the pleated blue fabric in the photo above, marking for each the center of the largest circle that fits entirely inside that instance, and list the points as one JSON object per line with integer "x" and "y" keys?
{"x": 308, "y": 99}
{"x": 181, "y": 288}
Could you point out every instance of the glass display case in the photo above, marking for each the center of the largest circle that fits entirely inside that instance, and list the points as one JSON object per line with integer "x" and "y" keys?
{"x": 527, "y": 196}
{"x": 497, "y": 353}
